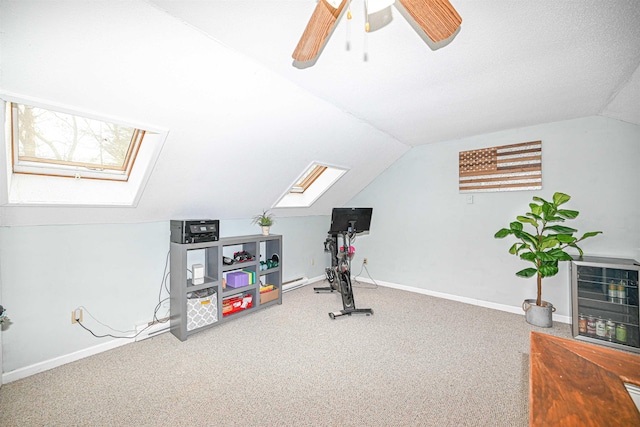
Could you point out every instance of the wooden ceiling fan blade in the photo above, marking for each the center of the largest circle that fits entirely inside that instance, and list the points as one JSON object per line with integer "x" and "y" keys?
{"x": 319, "y": 28}
{"x": 437, "y": 18}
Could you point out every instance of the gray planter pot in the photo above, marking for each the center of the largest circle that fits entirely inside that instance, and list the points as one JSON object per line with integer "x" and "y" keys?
{"x": 538, "y": 315}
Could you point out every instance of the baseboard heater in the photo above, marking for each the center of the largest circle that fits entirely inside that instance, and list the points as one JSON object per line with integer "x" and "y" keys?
{"x": 152, "y": 329}
{"x": 161, "y": 326}
{"x": 295, "y": 283}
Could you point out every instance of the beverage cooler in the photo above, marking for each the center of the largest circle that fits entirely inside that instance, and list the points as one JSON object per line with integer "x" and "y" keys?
{"x": 604, "y": 295}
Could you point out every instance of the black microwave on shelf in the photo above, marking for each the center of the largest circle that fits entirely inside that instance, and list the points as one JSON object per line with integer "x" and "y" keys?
{"x": 195, "y": 230}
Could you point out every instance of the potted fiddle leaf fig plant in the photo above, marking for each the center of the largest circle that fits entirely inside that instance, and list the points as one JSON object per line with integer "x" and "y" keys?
{"x": 264, "y": 220}
{"x": 544, "y": 247}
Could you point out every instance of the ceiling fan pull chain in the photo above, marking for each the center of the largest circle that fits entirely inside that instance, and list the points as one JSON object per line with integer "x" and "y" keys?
{"x": 366, "y": 30}
{"x": 366, "y": 16}
{"x": 349, "y": 16}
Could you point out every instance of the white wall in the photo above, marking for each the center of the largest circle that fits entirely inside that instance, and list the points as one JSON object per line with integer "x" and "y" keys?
{"x": 115, "y": 271}
{"x": 425, "y": 235}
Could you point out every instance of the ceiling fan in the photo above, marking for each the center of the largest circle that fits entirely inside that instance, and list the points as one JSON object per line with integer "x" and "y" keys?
{"x": 437, "y": 18}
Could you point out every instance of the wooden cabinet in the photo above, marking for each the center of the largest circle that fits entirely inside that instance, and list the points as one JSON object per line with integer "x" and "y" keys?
{"x": 579, "y": 384}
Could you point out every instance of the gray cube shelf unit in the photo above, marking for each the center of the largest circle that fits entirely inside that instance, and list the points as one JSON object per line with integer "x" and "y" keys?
{"x": 197, "y": 307}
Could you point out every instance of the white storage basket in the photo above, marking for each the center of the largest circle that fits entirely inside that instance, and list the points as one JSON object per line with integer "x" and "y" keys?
{"x": 202, "y": 308}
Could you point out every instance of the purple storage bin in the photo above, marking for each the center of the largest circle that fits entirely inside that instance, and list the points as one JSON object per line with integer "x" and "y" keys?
{"x": 237, "y": 279}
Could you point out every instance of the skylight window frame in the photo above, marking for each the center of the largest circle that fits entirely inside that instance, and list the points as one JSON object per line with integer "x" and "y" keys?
{"x": 318, "y": 177}
{"x": 69, "y": 169}
{"x": 308, "y": 178}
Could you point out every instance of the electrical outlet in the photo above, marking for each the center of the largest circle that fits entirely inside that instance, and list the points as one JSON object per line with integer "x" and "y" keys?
{"x": 365, "y": 261}
{"x": 76, "y": 315}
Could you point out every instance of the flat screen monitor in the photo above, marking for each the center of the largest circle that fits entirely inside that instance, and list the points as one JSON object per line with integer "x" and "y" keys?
{"x": 351, "y": 220}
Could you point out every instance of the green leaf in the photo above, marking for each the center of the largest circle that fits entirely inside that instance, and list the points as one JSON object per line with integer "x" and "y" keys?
{"x": 562, "y": 229}
{"x": 545, "y": 256}
{"x": 548, "y": 270}
{"x": 554, "y": 218}
{"x": 560, "y": 198}
{"x": 573, "y": 245}
{"x": 565, "y": 238}
{"x": 560, "y": 255}
{"x": 527, "y": 220}
{"x": 515, "y": 226}
{"x": 527, "y": 272}
{"x": 535, "y": 209}
{"x": 524, "y": 247}
{"x": 590, "y": 234}
{"x": 528, "y": 256}
{"x": 514, "y": 249}
{"x": 502, "y": 233}
{"x": 569, "y": 214}
{"x": 532, "y": 215}
{"x": 548, "y": 242}
{"x": 539, "y": 199}
{"x": 526, "y": 236}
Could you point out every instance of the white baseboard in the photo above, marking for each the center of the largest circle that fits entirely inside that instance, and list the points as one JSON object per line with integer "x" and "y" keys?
{"x": 145, "y": 331}
{"x": 472, "y": 301}
{"x": 301, "y": 282}
{"x": 286, "y": 287}
{"x": 27, "y": 371}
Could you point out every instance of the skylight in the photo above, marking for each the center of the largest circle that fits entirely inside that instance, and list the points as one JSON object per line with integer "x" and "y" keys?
{"x": 58, "y": 156}
{"x": 313, "y": 182}
{"x": 47, "y": 142}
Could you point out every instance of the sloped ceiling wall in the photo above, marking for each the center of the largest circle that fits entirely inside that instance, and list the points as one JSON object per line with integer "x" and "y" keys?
{"x": 239, "y": 134}
{"x": 625, "y": 102}
{"x": 243, "y": 123}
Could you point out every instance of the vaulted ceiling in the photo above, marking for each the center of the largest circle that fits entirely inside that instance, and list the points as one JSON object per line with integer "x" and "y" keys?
{"x": 512, "y": 64}
{"x": 243, "y": 122}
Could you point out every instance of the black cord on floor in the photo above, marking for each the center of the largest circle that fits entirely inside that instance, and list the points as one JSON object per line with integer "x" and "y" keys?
{"x": 107, "y": 335}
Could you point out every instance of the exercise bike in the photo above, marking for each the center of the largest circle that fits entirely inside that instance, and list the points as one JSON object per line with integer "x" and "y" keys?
{"x": 330, "y": 246}
{"x": 343, "y": 224}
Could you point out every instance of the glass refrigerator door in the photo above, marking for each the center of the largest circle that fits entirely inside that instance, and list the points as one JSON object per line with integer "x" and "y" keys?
{"x": 607, "y": 304}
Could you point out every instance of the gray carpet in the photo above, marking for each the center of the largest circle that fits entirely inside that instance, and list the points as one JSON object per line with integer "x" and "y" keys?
{"x": 418, "y": 361}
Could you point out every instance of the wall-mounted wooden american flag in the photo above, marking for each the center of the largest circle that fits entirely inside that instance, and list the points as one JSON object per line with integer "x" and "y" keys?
{"x": 505, "y": 168}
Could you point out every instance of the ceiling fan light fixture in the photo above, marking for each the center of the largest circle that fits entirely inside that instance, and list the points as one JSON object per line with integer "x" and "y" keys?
{"x": 436, "y": 18}
{"x": 317, "y": 32}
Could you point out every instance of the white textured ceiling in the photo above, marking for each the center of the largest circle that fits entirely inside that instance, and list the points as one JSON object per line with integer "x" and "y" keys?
{"x": 512, "y": 64}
